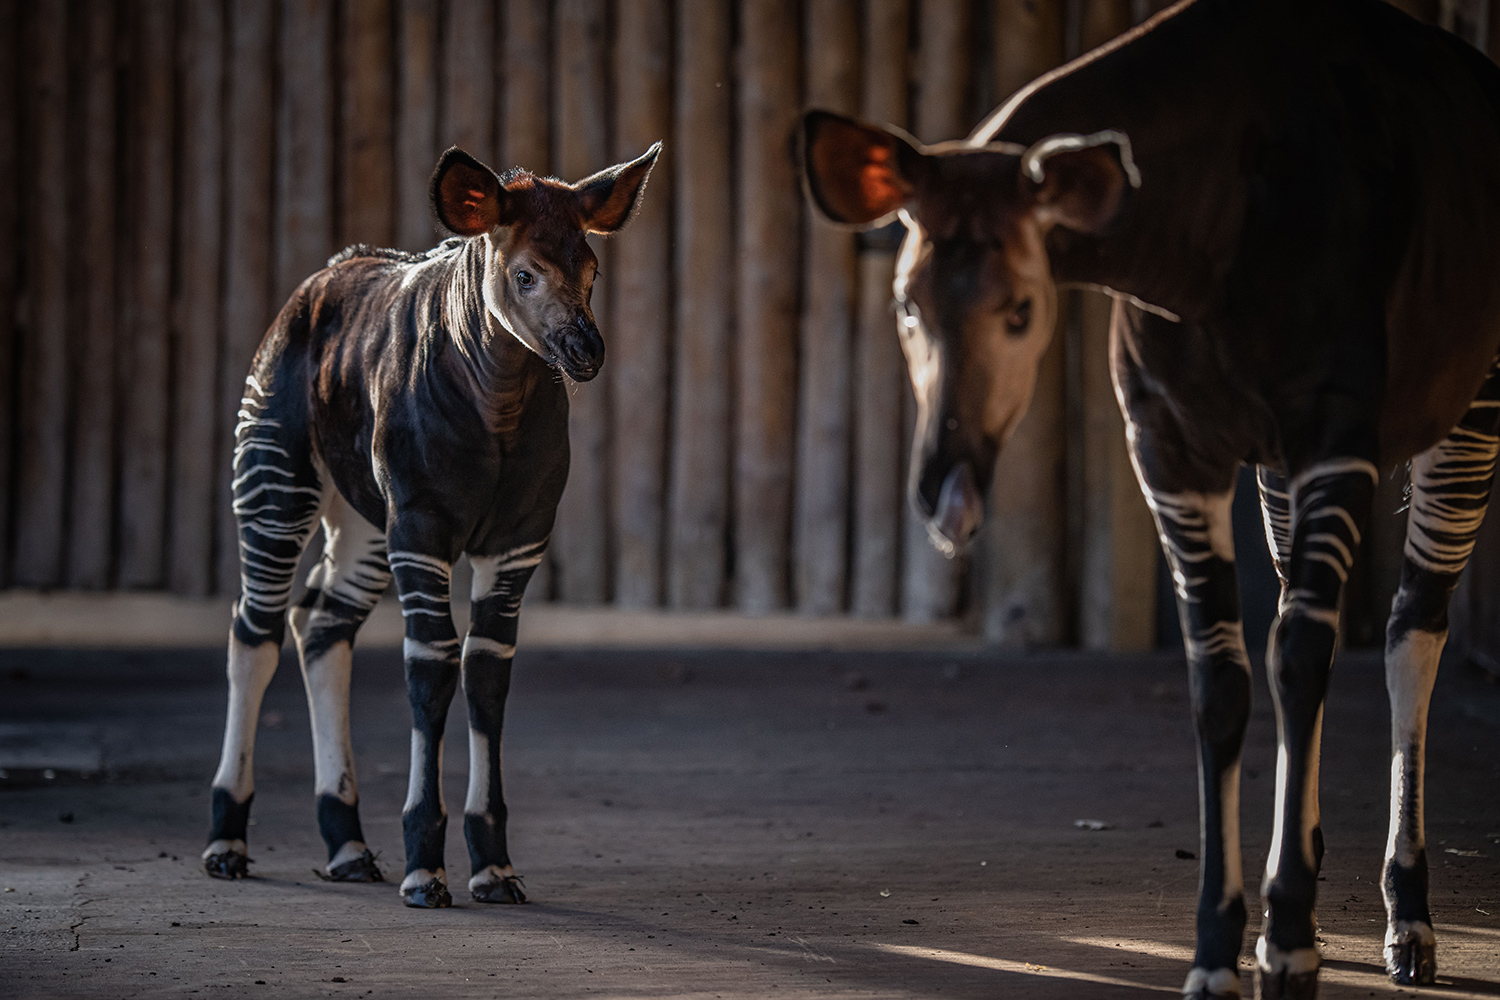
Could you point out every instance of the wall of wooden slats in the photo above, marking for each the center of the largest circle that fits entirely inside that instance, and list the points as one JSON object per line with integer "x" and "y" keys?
{"x": 171, "y": 169}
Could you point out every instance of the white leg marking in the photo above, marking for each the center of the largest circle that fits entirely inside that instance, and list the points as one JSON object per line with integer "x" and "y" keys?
{"x": 490, "y": 875}
{"x": 414, "y": 787}
{"x": 1218, "y": 982}
{"x": 477, "y": 803}
{"x": 1229, "y": 802}
{"x": 445, "y": 649}
{"x": 421, "y": 876}
{"x": 250, "y": 670}
{"x": 1411, "y": 669}
{"x": 1274, "y": 961}
{"x": 225, "y": 847}
{"x": 487, "y": 569}
{"x": 479, "y": 644}
{"x": 352, "y": 851}
{"x": 327, "y": 681}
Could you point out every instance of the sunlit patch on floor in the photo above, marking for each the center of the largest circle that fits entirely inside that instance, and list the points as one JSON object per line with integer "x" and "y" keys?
{"x": 1018, "y": 968}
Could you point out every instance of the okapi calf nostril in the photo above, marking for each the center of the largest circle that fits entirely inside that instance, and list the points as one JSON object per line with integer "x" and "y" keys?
{"x": 448, "y": 436}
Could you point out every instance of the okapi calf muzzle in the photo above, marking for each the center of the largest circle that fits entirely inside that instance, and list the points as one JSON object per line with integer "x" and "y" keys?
{"x": 578, "y": 349}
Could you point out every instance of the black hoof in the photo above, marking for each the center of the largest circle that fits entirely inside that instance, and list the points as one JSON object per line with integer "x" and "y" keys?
{"x": 230, "y": 865}
{"x": 507, "y": 890}
{"x": 361, "y": 869}
{"x": 431, "y": 895}
{"x": 1286, "y": 985}
{"x": 1411, "y": 962}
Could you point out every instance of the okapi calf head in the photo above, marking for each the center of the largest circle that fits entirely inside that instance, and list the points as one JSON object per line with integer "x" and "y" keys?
{"x": 974, "y": 292}
{"x": 539, "y": 270}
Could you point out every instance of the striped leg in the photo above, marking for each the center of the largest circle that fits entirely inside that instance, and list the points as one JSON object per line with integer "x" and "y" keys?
{"x": 1330, "y": 503}
{"x": 1450, "y": 490}
{"x": 277, "y": 497}
{"x": 342, "y": 590}
{"x": 499, "y": 583}
{"x": 1196, "y": 537}
{"x": 431, "y": 651}
{"x": 1276, "y": 515}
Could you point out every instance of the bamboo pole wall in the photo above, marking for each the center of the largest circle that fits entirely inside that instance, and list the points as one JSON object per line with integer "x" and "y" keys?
{"x": 171, "y": 169}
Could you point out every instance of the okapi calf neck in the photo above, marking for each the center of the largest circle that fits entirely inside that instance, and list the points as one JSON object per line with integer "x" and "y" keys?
{"x": 416, "y": 406}
{"x": 1293, "y": 205}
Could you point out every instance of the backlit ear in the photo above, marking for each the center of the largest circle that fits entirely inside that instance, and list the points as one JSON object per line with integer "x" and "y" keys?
{"x": 1079, "y": 181}
{"x": 466, "y": 194}
{"x": 607, "y": 200}
{"x": 857, "y": 174}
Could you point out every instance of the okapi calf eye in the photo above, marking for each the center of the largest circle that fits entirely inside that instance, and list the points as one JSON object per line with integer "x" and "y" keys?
{"x": 525, "y": 279}
{"x": 1018, "y": 319}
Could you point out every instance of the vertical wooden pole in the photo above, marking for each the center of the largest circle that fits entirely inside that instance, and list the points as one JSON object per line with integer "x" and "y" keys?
{"x": 770, "y": 207}
{"x": 44, "y": 352}
{"x": 581, "y": 549}
{"x": 91, "y": 532}
{"x": 468, "y": 53}
{"x": 250, "y": 182}
{"x": 820, "y": 535}
{"x": 527, "y": 136}
{"x": 12, "y": 41}
{"x": 639, "y": 336}
{"x": 1020, "y": 554}
{"x": 143, "y": 479}
{"x": 417, "y": 145}
{"x": 705, "y": 281}
{"x": 195, "y": 358}
{"x": 528, "y": 47}
{"x": 366, "y": 190}
{"x": 880, "y": 438}
{"x": 304, "y": 143}
{"x": 932, "y": 584}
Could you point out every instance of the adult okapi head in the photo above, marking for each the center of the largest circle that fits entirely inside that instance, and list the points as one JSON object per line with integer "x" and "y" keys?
{"x": 539, "y": 269}
{"x": 974, "y": 292}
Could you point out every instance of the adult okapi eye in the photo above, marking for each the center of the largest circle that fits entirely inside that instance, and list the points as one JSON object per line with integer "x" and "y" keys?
{"x": 1018, "y": 319}
{"x": 525, "y": 279}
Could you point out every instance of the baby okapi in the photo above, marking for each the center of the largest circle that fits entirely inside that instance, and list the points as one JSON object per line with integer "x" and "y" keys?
{"x": 410, "y": 403}
{"x": 1295, "y": 207}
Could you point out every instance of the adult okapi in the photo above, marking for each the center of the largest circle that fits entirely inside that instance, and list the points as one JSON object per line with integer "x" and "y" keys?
{"x": 413, "y": 404}
{"x": 1296, "y": 206}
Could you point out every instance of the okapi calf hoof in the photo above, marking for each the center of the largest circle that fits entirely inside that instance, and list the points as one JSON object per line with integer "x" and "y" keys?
{"x": 493, "y": 885}
{"x": 1285, "y": 975}
{"x": 1411, "y": 953}
{"x": 358, "y": 869}
{"x": 1212, "y": 984}
{"x": 425, "y": 891}
{"x": 223, "y": 859}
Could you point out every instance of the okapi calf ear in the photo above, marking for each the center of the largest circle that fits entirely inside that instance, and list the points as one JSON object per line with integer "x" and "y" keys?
{"x": 857, "y": 174}
{"x": 1078, "y": 181}
{"x": 608, "y": 199}
{"x": 466, "y": 194}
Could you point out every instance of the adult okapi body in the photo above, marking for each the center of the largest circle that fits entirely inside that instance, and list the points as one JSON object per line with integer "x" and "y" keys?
{"x": 1296, "y": 206}
{"x": 413, "y": 404}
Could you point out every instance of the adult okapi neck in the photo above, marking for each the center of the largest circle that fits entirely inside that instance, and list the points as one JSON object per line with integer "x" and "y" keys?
{"x": 497, "y": 372}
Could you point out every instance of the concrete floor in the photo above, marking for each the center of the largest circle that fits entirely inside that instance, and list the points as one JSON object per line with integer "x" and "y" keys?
{"x": 722, "y": 824}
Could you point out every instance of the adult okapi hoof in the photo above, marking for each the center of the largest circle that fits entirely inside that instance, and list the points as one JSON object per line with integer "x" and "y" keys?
{"x": 430, "y": 895}
{"x": 229, "y": 864}
{"x": 1411, "y": 954}
{"x": 1212, "y": 984}
{"x": 491, "y": 887}
{"x": 1286, "y": 985}
{"x": 360, "y": 869}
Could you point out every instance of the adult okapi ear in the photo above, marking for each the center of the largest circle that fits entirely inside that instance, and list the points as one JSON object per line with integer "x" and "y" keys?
{"x": 466, "y": 194}
{"x": 857, "y": 174}
{"x": 1078, "y": 181}
{"x": 608, "y": 199}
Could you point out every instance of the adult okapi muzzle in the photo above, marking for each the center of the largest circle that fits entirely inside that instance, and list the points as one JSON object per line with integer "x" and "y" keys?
{"x": 539, "y": 271}
{"x": 974, "y": 295}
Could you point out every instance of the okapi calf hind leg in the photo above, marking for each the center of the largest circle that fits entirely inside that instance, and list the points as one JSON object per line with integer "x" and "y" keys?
{"x": 342, "y": 590}
{"x": 431, "y": 652}
{"x": 499, "y": 584}
{"x": 1330, "y": 504}
{"x": 277, "y": 499}
{"x": 1450, "y": 490}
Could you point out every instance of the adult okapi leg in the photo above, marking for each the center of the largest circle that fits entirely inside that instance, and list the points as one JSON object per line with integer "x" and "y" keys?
{"x": 342, "y": 590}
{"x": 1276, "y": 514}
{"x": 1330, "y": 503}
{"x": 1450, "y": 491}
{"x": 277, "y": 497}
{"x": 431, "y": 651}
{"x": 499, "y": 584}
